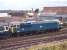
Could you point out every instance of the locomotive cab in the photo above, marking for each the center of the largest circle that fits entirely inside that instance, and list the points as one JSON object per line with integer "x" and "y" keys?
{"x": 4, "y": 31}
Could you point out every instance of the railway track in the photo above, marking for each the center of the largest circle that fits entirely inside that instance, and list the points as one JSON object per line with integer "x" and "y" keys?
{"x": 14, "y": 43}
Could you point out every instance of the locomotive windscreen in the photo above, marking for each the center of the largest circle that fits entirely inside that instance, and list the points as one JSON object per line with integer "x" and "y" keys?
{"x": 1, "y": 28}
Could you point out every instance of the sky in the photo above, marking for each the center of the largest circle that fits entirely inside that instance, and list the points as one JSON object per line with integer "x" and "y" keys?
{"x": 28, "y": 4}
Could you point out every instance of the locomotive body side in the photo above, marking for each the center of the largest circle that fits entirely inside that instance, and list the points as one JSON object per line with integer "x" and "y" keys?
{"x": 38, "y": 26}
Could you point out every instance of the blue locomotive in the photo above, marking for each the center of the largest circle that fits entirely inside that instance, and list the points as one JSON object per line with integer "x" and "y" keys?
{"x": 40, "y": 25}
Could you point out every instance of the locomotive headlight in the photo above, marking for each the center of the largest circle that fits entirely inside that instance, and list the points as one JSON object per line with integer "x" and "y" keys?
{"x": 60, "y": 22}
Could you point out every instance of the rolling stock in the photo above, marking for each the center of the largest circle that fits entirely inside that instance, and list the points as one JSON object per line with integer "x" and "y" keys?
{"x": 30, "y": 26}
{"x": 37, "y": 26}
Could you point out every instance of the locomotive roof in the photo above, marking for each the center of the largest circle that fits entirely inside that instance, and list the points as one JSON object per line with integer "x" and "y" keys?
{"x": 40, "y": 21}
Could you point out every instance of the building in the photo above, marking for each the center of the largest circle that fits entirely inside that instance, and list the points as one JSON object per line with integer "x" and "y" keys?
{"x": 55, "y": 10}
